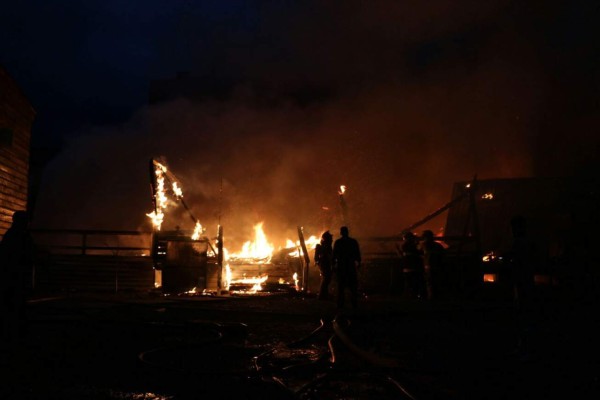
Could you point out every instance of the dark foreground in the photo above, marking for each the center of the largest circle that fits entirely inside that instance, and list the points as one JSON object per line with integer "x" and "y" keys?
{"x": 288, "y": 346}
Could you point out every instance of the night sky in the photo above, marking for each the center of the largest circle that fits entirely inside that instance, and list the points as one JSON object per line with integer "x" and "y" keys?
{"x": 397, "y": 100}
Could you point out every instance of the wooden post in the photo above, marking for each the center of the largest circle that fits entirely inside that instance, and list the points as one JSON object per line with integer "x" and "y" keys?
{"x": 220, "y": 258}
{"x": 306, "y": 260}
{"x": 152, "y": 172}
{"x": 343, "y": 206}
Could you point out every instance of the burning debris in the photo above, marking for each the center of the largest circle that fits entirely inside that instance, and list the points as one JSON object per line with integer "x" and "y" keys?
{"x": 252, "y": 269}
{"x": 159, "y": 175}
{"x": 258, "y": 256}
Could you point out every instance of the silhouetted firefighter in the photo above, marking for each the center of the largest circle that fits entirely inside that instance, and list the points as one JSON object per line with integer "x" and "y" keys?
{"x": 346, "y": 261}
{"x": 412, "y": 266}
{"x": 324, "y": 260}
{"x": 433, "y": 258}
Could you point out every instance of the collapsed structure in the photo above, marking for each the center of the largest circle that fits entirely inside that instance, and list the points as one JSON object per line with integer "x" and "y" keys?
{"x": 192, "y": 262}
{"x": 477, "y": 235}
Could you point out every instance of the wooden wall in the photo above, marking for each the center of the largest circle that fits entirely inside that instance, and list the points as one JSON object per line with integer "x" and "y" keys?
{"x": 16, "y": 118}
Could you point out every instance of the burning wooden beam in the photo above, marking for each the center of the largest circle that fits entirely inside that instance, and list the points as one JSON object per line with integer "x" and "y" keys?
{"x": 343, "y": 205}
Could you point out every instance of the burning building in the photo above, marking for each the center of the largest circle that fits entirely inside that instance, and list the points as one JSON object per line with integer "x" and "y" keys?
{"x": 16, "y": 118}
{"x": 187, "y": 261}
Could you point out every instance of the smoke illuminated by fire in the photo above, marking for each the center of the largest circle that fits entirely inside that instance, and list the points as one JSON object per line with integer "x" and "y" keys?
{"x": 363, "y": 116}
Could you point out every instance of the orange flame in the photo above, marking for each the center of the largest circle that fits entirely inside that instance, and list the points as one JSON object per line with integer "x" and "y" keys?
{"x": 177, "y": 190}
{"x": 256, "y": 281}
{"x": 162, "y": 202}
{"x": 258, "y": 249}
{"x": 310, "y": 243}
{"x": 158, "y": 216}
{"x": 342, "y": 190}
{"x": 197, "y": 231}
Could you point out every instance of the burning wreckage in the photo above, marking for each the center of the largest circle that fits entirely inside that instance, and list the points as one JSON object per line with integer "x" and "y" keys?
{"x": 477, "y": 237}
{"x": 190, "y": 262}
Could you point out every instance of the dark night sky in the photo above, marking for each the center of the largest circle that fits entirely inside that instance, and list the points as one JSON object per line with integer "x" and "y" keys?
{"x": 396, "y": 99}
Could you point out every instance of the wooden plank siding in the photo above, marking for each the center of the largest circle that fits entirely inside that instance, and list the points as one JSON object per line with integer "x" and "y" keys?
{"x": 16, "y": 118}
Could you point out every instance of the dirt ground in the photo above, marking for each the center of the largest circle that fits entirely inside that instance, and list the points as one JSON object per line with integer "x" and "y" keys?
{"x": 286, "y": 345}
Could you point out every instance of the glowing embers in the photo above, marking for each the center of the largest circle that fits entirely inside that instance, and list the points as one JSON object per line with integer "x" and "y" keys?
{"x": 259, "y": 280}
{"x": 247, "y": 285}
{"x": 491, "y": 256}
{"x": 488, "y": 196}
{"x": 243, "y": 285}
{"x": 490, "y": 278}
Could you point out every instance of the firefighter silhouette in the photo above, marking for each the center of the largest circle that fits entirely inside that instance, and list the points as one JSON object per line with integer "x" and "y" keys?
{"x": 346, "y": 261}
{"x": 324, "y": 260}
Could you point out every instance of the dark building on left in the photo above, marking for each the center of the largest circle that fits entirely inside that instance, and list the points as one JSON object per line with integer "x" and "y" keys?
{"x": 16, "y": 119}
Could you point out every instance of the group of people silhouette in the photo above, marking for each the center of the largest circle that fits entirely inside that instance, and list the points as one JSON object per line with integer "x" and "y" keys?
{"x": 422, "y": 264}
{"x": 340, "y": 259}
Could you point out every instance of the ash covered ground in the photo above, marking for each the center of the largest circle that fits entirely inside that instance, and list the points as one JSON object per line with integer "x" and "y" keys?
{"x": 143, "y": 346}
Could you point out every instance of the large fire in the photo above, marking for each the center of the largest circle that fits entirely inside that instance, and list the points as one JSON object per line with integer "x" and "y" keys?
{"x": 258, "y": 251}
{"x": 261, "y": 251}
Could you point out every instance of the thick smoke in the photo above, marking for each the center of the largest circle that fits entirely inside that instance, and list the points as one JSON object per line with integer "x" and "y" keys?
{"x": 394, "y": 111}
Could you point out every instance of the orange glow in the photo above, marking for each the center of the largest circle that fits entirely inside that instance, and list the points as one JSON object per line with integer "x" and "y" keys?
{"x": 258, "y": 250}
{"x": 197, "y": 231}
{"x": 256, "y": 281}
{"x": 488, "y": 196}
{"x": 162, "y": 201}
{"x": 158, "y": 216}
{"x": 489, "y": 257}
{"x": 227, "y": 279}
{"x": 489, "y": 278}
{"x": 311, "y": 244}
{"x": 342, "y": 190}
{"x": 177, "y": 190}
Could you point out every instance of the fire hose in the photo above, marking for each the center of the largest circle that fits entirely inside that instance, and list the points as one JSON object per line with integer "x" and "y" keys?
{"x": 323, "y": 369}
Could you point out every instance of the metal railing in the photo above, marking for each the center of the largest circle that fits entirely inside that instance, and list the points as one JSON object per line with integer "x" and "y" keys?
{"x": 92, "y": 242}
